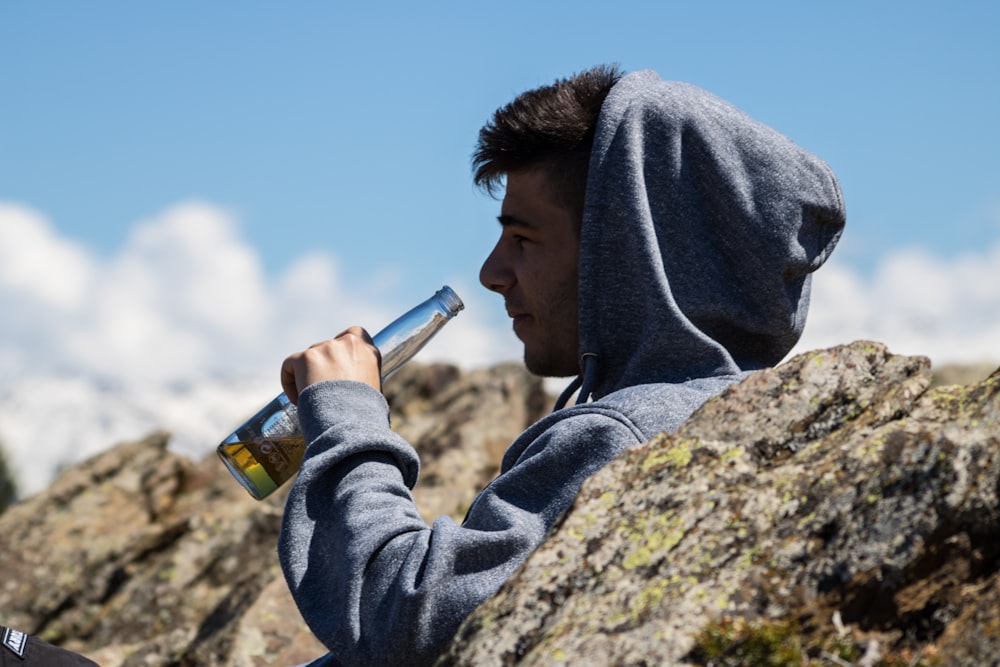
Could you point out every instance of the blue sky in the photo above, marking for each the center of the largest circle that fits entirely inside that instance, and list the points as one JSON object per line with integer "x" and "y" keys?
{"x": 167, "y": 169}
{"x": 350, "y": 125}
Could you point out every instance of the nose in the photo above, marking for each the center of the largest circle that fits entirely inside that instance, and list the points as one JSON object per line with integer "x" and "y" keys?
{"x": 495, "y": 274}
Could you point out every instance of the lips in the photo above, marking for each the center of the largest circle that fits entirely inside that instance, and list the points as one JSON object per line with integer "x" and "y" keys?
{"x": 519, "y": 317}
{"x": 516, "y": 314}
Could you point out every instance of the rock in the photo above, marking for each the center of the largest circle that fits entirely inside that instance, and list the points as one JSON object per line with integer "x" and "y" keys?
{"x": 841, "y": 509}
{"x": 833, "y": 509}
{"x": 139, "y": 556}
{"x": 960, "y": 374}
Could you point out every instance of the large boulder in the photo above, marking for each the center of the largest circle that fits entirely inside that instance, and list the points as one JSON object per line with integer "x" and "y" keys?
{"x": 831, "y": 511}
{"x": 841, "y": 509}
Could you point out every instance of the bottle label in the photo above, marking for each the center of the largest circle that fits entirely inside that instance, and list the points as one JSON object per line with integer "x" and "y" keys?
{"x": 272, "y": 457}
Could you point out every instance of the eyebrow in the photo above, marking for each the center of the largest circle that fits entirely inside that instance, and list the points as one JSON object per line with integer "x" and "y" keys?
{"x": 508, "y": 220}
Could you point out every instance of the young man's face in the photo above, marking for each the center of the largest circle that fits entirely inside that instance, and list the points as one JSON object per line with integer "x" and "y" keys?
{"x": 534, "y": 266}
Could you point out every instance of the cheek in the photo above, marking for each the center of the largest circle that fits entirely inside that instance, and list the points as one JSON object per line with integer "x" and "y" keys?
{"x": 569, "y": 269}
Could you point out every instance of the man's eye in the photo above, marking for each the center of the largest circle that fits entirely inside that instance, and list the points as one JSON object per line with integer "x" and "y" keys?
{"x": 520, "y": 240}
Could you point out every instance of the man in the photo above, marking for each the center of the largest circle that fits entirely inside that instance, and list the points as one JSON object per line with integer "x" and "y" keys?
{"x": 655, "y": 242}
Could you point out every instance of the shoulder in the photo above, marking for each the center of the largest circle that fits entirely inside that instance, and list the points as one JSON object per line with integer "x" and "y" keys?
{"x": 583, "y": 434}
{"x": 600, "y": 429}
{"x": 658, "y": 407}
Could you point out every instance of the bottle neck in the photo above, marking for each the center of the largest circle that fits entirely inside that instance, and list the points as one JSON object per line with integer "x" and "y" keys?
{"x": 407, "y": 334}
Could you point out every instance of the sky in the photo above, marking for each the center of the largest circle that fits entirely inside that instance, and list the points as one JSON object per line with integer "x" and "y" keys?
{"x": 190, "y": 191}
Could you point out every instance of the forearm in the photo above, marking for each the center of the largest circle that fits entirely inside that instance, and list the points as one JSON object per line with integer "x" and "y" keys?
{"x": 363, "y": 567}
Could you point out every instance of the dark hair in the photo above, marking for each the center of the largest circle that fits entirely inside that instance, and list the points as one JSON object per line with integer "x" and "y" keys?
{"x": 551, "y": 127}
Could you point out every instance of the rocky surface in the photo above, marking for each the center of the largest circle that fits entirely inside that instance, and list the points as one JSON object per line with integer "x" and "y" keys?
{"x": 142, "y": 557}
{"x": 831, "y": 511}
{"x": 841, "y": 509}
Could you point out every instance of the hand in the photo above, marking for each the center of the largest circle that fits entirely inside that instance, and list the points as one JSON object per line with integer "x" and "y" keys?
{"x": 349, "y": 356}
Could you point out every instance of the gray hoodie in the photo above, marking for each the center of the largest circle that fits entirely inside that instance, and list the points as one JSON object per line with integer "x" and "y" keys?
{"x": 701, "y": 228}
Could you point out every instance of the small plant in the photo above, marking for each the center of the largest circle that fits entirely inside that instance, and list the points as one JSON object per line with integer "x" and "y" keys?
{"x": 8, "y": 487}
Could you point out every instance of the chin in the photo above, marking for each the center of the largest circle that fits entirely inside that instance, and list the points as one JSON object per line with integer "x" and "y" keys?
{"x": 548, "y": 368}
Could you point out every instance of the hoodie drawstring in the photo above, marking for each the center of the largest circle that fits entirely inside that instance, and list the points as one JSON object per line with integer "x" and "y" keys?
{"x": 584, "y": 382}
{"x": 567, "y": 392}
{"x": 589, "y": 362}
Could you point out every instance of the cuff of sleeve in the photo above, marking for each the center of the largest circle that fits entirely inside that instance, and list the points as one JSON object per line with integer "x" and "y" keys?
{"x": 332, "y": 402}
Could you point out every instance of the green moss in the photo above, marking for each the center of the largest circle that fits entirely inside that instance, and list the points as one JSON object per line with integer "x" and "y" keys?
{"x": 748, "y": 558}
{"x": 731, "y": 454}
{"x": 730, "y": 642}
{"x": 648, "y": 598}
{"x": 872, "y": 448}
{"x": 674, "y": 455}
{"x": 845, "y": 649}
{"x": 650, "y": 540}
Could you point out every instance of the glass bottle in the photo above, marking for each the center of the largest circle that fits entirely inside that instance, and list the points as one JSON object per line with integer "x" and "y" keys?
{"x": 267, "y": 450}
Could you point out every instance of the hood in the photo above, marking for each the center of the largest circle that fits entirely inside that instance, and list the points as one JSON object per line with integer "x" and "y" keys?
{"x": 700, "y": 230}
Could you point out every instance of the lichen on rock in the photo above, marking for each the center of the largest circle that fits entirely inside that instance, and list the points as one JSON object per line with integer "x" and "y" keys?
{"x": 834, "y": 502}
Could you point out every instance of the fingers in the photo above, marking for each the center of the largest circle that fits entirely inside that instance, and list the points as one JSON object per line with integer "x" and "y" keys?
{"x": 349, "y": 356}
{"x": 288, "y": 384}
{"x": 361, "y": 333}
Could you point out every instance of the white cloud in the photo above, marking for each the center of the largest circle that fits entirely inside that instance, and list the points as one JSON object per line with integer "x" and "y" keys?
{"x": 183, "y": 330}
{"x": 38, "y": 265}
{"x": 916, "y": 303}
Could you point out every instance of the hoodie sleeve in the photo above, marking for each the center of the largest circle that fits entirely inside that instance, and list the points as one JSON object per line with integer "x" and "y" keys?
{"x": 374, "y": 582}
